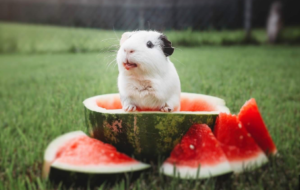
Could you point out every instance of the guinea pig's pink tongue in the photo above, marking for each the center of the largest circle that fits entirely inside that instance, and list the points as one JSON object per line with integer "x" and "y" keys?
{"x": 129, "y": 65}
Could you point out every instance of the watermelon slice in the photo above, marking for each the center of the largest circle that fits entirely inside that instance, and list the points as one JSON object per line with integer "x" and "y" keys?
{"x": 77, "y": 152}
{"x": 198, "y": 155}
{"x": 252, "y": 120}
{"x": 240, "y": 148}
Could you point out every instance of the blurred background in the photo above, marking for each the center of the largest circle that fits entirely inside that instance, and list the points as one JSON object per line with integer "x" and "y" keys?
{"x": 237, "y": 21}
{"x": 143, "y": 14}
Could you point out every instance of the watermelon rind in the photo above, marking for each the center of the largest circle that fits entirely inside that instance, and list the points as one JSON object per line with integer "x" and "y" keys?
{"x": 185, "y": 172}
{"x": 90, "y": 104}
{"x": 146, "y": 135}
{"x": 249, "y": 164}
{"x": 56, "y": 144}
{"x": 102, "y": 169}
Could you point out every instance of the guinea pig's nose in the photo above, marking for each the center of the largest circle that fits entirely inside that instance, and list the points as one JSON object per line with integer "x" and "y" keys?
{"x": 127, "y": 50}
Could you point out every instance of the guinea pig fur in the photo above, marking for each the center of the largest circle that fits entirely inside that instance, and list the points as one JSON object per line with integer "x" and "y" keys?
{"x": 147, "y": 78}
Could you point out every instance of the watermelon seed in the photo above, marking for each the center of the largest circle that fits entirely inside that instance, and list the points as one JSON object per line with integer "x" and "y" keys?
{"x": 192, "y": 147}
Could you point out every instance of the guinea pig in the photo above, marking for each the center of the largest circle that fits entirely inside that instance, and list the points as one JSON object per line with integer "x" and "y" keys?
{"x": 147, "y": 78}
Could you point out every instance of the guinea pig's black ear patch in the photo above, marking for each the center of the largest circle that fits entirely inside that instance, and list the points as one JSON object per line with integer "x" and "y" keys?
{"x": 166, "y": 46}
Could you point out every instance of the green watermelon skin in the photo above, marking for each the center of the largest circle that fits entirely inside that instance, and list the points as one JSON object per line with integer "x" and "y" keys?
{"x": 80, "y": 180}
{"x": 252, "y": 120}
{"x": 146, "y": 136}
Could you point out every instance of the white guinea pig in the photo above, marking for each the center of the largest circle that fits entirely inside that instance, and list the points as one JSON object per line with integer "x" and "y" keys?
{"x": 147, "y": 78}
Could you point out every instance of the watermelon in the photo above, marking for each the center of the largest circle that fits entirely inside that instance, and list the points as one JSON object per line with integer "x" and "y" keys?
{"x": 148, "y": 135}
{"x": 240, "y": 148}
{"x": 198, "y": 155}
{"x": 76, "y": 152}
{"x": 251, "y": 118}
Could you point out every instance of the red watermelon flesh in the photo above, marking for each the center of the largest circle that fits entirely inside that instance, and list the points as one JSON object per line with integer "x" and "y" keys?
{"x": 198, "y": 148}
{"x": 189, "y": 102}
{"x": 240, "y": 148}
{"x": 196, "y": 104}
{"x": 110, "y": 102}
{"x": 82, "y": 151}
{"x": 75, "y": 151}
{"x": 252, "y": 120}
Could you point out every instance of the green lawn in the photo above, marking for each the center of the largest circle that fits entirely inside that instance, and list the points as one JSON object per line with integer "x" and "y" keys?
{"x": 25, "y": 38}
{"x": 41, "y": 98}
{"x": 45, "y": 76}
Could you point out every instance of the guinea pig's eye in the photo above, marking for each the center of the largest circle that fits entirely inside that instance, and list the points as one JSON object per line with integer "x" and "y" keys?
{"x": 149, "y": 44}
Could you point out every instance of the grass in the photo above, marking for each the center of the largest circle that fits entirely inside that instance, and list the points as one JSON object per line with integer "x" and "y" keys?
{"x": 42, "y": 92}
{"x": 24, "y": 38}
{"x": 41, "y": 98}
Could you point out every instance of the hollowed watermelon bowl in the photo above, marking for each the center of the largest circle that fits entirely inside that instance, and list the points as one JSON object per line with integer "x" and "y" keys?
{"x": 148, "y": 135}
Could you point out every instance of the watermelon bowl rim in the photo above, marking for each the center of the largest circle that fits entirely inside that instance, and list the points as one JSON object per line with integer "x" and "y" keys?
{"x": 91, "y": 104}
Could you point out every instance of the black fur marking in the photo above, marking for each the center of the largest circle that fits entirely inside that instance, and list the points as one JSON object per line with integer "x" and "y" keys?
{"x": 167, "y": 46}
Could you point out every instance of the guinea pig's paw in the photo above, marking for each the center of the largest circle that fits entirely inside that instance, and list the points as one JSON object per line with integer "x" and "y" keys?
{"x": 166, "y": 108}
{"x": 129, "y": 108}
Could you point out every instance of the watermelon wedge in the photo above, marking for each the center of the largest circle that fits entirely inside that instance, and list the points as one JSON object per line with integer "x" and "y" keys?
{"x": 240, "y": 148}
{"x": 252, "y": 120}
{"x": 197, "y": 156}
{"x": 77, "y": 152}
